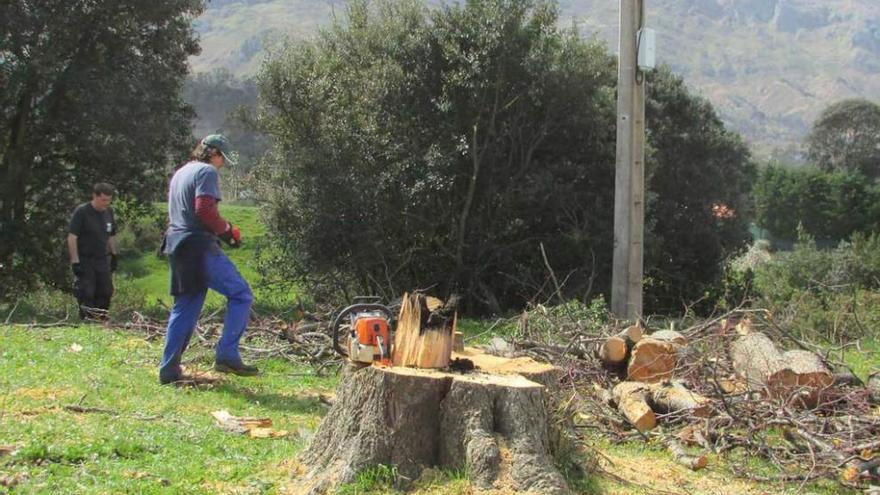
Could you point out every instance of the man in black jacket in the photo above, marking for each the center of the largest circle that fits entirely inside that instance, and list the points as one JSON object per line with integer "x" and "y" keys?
{"x": 91, "y": 243}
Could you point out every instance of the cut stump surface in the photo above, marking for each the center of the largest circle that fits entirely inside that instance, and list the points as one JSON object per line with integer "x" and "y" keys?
{"x": 492, "y": 424}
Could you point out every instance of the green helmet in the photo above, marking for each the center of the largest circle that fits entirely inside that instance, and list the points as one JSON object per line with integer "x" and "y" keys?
{"x": 220, "y": 142}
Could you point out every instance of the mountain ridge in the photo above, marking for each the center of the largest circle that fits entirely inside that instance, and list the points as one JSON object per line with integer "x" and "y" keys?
{"x": 768, "y": 66}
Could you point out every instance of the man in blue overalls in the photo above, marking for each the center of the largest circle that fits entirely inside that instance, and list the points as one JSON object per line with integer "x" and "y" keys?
{"x": 198, "y": 263}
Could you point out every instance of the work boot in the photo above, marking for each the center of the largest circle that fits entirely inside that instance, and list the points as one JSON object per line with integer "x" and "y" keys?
{"x": 235, "y": 367}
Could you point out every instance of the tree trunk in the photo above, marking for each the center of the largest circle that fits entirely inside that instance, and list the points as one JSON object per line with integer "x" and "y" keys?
{"x": 874, "y": 387}
{"x": 756, "y": 359}
{"x": 494, "y": 424}
{"x": 674, "y": 398}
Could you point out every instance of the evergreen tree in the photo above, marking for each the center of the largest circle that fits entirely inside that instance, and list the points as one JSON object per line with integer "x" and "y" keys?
{"x": 91, "y": 92}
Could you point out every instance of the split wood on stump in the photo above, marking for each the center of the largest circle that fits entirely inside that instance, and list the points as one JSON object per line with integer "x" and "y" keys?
{"x": 425, "y": 332}
{"x": 494, "y": 423}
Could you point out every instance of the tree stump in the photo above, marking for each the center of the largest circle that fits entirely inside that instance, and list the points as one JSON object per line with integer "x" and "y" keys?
{"x": 493, "y": 422}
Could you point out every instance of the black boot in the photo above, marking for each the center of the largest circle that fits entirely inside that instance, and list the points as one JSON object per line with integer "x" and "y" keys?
{"x": 237, "y": 368}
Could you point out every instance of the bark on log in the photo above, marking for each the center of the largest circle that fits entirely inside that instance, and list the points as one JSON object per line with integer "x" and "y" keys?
{"x": 424, "y": 336}
{"x": 756, "y": 359}
{"x": 674, "y": 398}
{"x": 616, "y": 349}
{"x": 652, "y": 360}
{"x": 669, "y": 336}
{"x": 632, "y": 401}
{"x": 495, "y": 426}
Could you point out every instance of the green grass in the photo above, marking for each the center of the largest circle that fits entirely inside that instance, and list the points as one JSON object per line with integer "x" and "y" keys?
{"x": 160, "y": 439}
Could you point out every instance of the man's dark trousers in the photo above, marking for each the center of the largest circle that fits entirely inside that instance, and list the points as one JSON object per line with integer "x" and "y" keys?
{"x": 94, "y": 288}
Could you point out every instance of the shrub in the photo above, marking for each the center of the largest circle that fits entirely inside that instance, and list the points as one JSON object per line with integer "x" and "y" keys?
{"x": 831, "y": 294}
{"x": 140, "y": 226}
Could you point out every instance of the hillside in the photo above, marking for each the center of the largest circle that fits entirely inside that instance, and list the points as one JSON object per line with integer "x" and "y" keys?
{"x": 769, "y": 66}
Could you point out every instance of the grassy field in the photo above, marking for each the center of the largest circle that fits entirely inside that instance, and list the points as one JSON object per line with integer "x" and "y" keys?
{"x": 144, "y": 438}
{"x": 151, "y": 439}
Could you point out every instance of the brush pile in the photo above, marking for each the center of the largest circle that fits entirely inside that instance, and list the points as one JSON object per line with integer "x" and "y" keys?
{"x": 736, "y": 383}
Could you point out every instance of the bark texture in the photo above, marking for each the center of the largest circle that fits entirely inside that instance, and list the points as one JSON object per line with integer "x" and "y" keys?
{"x": 756, "y": 359}
{"x": 674, "y": 398}
{"x": 493, "y": 425}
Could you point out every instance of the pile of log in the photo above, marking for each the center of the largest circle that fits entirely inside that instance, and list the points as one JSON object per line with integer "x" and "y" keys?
{"x": 649, "y": 364}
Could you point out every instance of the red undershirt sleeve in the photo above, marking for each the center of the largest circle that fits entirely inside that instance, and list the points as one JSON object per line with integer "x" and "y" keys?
{"x": 206, "y": 210}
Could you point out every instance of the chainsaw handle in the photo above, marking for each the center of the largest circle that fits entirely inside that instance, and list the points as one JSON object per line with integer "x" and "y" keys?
{"x": 337, "y": 322}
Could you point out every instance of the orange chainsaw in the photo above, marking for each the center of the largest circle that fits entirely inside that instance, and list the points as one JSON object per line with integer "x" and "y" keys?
{"x": 369, "y": 331}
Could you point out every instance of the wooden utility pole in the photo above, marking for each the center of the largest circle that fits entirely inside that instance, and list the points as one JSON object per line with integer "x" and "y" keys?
{"x": 629, "y": 188}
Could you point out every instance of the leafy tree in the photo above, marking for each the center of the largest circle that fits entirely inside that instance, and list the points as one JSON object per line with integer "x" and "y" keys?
{"x": 829, "y": 206}
{"x": 699, "y": 178}
{"x": 847, "y": 137}
{"x": 90, "y": 93}
{"x": 470, "y": 147}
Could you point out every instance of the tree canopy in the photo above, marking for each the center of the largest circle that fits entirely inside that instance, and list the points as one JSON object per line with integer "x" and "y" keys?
{"x": 846, "y": 136}
{"x": 829, "y": 206}
{"x": 470, "y": 149}
{"x": 91, "y": 92}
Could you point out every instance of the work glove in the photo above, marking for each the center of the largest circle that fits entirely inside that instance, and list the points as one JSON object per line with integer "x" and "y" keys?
{"x": 113, "y": 262}
{"x": 232, "y": 236}
{"x": 77, "y": 270}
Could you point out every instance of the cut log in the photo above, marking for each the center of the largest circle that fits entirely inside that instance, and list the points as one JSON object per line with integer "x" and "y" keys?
{"x": 632, "y": 401}
{"x": 423, "y": 337}
{"x": 494, "y": 426}
{"x": 756, "y": 359}
{"x": 613, "y": 351}
{"x": 616, "y": 349}
{"x": 674, "y": 398}
{"x": 806, "y": 369}
{"x": 652, "y": 360}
